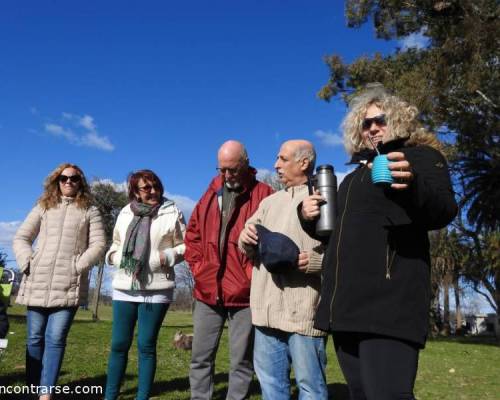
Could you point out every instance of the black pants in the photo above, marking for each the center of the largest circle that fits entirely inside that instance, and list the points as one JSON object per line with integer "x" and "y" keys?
{"x": 377, "y": 367}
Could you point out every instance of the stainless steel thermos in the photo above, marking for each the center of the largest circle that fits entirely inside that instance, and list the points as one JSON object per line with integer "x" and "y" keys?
{"x": 325, "y": 182}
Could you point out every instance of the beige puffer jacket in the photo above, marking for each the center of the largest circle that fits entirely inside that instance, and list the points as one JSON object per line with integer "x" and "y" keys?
{"x": 70, "y": 240}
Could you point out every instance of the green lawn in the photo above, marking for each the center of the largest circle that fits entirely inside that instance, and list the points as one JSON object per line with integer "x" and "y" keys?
{"x": 449, "y": 369}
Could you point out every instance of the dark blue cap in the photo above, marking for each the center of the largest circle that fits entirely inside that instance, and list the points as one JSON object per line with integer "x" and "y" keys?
{"x": 277, "y": 251}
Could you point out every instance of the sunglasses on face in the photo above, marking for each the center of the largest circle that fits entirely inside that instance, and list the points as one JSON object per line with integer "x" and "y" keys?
{"x": 378, "y": 119}
{"x": 148, "y": 188}
{"x": 231, "y": 171}
{"x": 72, "y": 178}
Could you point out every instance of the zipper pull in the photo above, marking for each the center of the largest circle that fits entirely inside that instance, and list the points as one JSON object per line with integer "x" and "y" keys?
{"x": 388, "y": 274}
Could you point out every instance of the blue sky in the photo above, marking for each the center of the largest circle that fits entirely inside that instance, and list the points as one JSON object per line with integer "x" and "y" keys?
{"x": 115, "y": 86}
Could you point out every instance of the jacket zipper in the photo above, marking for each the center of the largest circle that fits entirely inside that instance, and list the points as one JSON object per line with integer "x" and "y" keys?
{"x": 389, "y": 259}
{"x": 337, "y": 264}
{"x": 57, "y": 251}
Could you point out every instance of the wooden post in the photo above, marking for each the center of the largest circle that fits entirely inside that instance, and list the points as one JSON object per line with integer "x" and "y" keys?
{"x": 97, "y": 291}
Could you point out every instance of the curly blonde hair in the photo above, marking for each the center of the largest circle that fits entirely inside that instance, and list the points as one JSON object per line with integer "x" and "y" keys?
{"x": 51, "y": 196}
{"x": 401, "y": 120}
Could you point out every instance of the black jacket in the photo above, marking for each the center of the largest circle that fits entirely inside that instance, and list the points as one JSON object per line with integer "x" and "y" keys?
{"x": 4, "y": 323}
{"x": 376, "y": 270}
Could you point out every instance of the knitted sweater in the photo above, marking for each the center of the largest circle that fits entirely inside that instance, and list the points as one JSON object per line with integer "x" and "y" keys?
{"x": 285, "y": 301}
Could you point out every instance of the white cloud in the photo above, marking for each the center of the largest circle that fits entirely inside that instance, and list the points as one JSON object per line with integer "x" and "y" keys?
{"x": 58, "y": 130}
{"x": 80, "y": 131}
{"x": 263, "y": 173}
{"x": 88, "y": 122}
{"x": 185, "y": 203}
{"x": 7, "y": 232}
{"x": 328, "y": 138}
{"x": 416, "y": 40}
{"x": 92, "y": 139}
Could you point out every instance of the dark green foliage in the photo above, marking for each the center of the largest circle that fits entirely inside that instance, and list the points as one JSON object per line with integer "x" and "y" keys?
{"x": 454, "y": 81}
{"x": 109, "y": 201}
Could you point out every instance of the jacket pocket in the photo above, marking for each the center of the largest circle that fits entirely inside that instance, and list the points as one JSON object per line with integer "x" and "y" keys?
{"x": 154, "y": 261}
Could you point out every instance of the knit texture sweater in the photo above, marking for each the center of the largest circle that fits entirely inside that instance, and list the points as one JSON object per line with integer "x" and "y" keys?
{"x": 285, "y": 301}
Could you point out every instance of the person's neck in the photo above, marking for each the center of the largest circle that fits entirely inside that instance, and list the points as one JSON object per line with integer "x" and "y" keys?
{"x": 298, "y": 182}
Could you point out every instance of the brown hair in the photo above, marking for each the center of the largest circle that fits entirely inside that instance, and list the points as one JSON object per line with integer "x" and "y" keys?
{"x": 145, "y": 175}
{"x": 51, "y": 196}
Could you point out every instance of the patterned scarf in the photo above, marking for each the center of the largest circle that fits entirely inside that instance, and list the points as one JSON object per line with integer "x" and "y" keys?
{"x": 135, "y": 256}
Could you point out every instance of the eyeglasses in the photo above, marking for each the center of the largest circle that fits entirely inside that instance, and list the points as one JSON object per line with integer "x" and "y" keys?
{"x": 148, "y": 188}
{"x": 72, "y": 178}
{"x": 378, "y": 119}
{"x": 232, "y": 171}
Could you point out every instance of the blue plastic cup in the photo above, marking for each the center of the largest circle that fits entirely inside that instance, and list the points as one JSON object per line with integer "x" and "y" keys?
{"x": 381, "y": 174}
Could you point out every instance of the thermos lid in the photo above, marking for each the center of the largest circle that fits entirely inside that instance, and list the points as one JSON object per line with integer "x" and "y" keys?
{"x": 324, "y": 167}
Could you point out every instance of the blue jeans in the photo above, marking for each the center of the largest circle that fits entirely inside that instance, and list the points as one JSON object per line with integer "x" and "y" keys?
{"x": 47, "y": 332}
{"x": 275, "y": 351}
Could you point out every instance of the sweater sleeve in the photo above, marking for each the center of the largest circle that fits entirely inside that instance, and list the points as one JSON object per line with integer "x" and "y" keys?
{"x": 315, "y": 260}
{"x": 24, "y": 238}
{"x": 96, "y": 242}
{"x": 432, "y": 198}
{"x": 255, "y": 219}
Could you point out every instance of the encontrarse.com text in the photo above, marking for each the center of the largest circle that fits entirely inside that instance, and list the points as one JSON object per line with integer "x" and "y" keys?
{"x": 64, "y": 389}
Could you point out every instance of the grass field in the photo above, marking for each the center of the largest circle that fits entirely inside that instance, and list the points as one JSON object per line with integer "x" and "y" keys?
{"x": 449, "y": 369}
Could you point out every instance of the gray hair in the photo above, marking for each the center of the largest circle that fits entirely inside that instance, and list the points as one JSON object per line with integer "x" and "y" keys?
{"x": 304, "y": 151}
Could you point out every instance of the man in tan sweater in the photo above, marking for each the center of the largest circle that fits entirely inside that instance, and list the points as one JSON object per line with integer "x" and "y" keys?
{"x": 283, "y": 304}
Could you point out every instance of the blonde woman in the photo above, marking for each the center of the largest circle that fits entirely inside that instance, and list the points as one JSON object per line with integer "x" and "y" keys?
{"x": 375, "y": 290}
{"x": 70, "y": 239}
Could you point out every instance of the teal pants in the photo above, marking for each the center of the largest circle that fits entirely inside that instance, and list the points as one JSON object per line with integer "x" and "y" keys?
{"x": 149, "y": 317}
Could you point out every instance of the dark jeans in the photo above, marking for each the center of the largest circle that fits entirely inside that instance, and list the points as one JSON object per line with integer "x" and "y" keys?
{"x": 377, "y": 367}
{"x": 149, "y": 317}
{"x": 48, "y": 329}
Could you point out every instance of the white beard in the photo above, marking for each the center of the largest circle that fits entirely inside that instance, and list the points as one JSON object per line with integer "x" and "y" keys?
{"x": 233, "y": 186}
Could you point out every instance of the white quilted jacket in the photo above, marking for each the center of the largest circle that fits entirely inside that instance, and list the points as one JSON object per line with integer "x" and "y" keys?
{"x": 70, "y": 240}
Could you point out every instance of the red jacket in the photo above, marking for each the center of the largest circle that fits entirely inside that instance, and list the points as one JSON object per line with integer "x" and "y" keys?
{"x": 223, "y": 281}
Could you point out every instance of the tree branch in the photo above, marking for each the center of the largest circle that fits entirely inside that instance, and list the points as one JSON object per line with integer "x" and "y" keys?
{"x": 488, "y": 299}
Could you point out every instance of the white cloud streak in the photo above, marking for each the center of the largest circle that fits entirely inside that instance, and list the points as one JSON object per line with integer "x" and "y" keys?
{"x": 80, "y": 131}
{"x": 328, "y": 138}
{"x": 7, "y": 232}
{"x": 416, "y": 40}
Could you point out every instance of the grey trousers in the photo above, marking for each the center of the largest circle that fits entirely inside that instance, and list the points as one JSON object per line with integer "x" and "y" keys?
{"x": 208, "y": 326}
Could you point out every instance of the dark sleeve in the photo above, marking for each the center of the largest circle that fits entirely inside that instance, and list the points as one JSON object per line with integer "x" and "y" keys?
{"x": 309, "y": 227}
{"x": 4, "y": 323}
{"x": 431, "y": 194}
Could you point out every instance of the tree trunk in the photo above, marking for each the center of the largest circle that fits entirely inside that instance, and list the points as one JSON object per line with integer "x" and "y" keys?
{"x": 458, "y": 311}
{"x": 446, "y": 306}
{"x": 97, "y": 292}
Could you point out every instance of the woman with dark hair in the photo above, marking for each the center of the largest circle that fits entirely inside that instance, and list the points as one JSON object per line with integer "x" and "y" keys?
{"x": 148, "y": 240}
{"x": 375, "y": 294}
{"x": 70, "y": 239}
